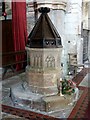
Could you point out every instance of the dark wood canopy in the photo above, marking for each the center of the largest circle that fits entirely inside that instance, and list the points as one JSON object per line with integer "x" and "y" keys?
{"x": 44, "y": 34}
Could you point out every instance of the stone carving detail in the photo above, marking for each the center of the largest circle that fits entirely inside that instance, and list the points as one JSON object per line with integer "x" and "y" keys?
{"x": 36, "y": 61}
{"x": 50, "y": 61}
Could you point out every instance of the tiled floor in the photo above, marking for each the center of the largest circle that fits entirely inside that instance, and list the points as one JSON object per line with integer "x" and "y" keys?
{"x": 7, "y": 116}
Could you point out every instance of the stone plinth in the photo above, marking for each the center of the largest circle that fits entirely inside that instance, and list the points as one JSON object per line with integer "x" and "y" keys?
{"x": 54, "y": 103}
{"x": 43, "y": 70}
{"x": 23, "y": 97}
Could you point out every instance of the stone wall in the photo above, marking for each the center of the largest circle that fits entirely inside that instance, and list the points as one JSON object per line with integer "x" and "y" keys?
{"x": 86, "y": 21}
{"x": 73, "y": 21}
{"x": 89, "y": 30}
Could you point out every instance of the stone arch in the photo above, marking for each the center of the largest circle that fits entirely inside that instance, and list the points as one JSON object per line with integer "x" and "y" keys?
{"x": 50, "y": 61}
{"x": 37, "y": 61}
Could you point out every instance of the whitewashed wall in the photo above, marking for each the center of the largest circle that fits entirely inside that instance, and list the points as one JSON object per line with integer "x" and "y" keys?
{"x": 58, "y": 19}
{"x": 73, "y": 21}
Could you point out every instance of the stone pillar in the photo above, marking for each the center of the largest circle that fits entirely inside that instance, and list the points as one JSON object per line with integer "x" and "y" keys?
{"x": 89, "y": 30}
{"x": 89, "y": 47}
{"x": 86, "y": 21}
{"x": 73, "y": 21}
{"x": 57, "y": 16}
{"x": 85, "y": 14}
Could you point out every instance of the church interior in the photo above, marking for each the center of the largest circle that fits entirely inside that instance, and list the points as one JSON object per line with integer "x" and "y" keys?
{"x": 44, "y": 59}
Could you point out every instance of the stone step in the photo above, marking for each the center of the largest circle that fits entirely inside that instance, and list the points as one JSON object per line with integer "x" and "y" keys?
{"x": 57, "y": 102}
